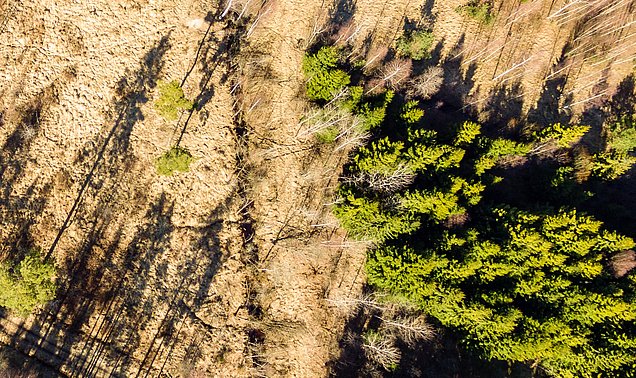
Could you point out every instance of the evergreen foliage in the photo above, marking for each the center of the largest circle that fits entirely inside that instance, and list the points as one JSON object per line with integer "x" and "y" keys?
{"x": 325, "y": 80}
{"x": 443, "y": 194}
{"x": 371, "y": 219}
{"x": 517, "y": 285}
{"x": 171, "y": 100}
{"x": 416, "y": 45}
{"x": 530, "y": 288}
{"x": 28, "y": 285}
{"x": 177, "y": 159}
{"x": 621, "y": 136}
{"x": 371, "y": 110}
{"x": 468, "y": 131}
{"x": 563, "y": 135}
{"x": 618, "y": 157}
{"x": 613, "y": 164}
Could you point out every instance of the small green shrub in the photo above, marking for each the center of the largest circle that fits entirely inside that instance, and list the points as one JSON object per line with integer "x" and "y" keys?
{"x": 416, "y": 45}
{"x": 176, "y": 159}
{"x": 28, "y": 285}
{"x": 481, "y": 12}
{"x": 328, "y": 135}
{"x": 171, "y": 100}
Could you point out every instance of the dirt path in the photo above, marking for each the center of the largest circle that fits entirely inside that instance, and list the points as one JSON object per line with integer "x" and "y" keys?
{"x": 305, "y": 260}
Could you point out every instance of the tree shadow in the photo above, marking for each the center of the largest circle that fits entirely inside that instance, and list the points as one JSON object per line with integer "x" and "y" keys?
{"x": 342, "y": 12}
{"x": 548, "y": 110}
{"x": 132, "y": 91}
{"x": 503, "y": 112}
{"x": 458, "y": 83}
{"x": 213, "y": 54}
{"x": 623, "y": 101}
{"x": 18, "y": 213}
{"x": 552, "y": 105}
{"x": 427, "y": 9}
{"x": 82, "y": 291}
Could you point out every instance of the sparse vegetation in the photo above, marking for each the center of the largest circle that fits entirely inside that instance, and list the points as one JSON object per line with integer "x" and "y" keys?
{"x": 478, "y": 10}
{"x": 177, "y": 159}
{"x": 28, "y": 285}
{"x": 171, "y": 100}
{"x": 416, "y": 44}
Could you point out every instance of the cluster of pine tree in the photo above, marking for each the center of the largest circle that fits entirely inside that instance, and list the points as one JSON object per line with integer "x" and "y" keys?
{"x": 518, "y": 285}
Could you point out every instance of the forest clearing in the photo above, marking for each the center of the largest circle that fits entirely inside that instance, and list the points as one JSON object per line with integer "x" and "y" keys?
{"x": 309, "y": 188}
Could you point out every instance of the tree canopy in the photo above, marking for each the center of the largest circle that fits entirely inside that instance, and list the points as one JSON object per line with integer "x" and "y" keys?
{"x": 530, "y": 285}
{"x": 27, "y": 285}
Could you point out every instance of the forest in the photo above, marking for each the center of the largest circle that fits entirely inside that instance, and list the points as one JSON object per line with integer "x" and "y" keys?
{"x": 352, "y": 189}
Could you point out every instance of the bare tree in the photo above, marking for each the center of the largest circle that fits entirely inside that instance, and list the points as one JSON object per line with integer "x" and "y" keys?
{"x": 28, "y": 132}
{"x": 246, "y": 8}
{"x": 381, "y": 349}
{"x": 398, "y": 179}
{"x": 346, "y": 33}
{"x": 427, "y": 84}
{"x": 321, "y": 119}
{"x": 374, "y": 57}
{"x": 396, "y": 72}
{"x": 393, "y": 74}
{"x": 410, "y": 329}
{"x": 366, "y": 301}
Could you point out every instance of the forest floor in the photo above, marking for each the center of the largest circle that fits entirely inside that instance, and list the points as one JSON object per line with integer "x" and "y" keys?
{"x": 231, "y": 269}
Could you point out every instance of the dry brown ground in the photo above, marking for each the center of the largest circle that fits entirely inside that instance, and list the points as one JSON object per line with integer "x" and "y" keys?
{"x": 151, "y": 267}
{"x": 306, "y": 263}
{"x": 539, "y": 56}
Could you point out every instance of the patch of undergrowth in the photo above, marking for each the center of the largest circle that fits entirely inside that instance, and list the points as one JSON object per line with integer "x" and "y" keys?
{"x": 177, "y": 159}
{"x": 328, "y": 135}
{"x": 478, "y": 10}
{"x": 347, "y": 114}
{"x": 416, "y": 44}
{"x": 28, "y": 284}
{"x": 171, "y": 100}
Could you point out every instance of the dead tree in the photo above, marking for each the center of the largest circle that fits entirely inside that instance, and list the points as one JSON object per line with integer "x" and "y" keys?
{"x": 396, "y": 72}
{"x": 427, "y": 84}
{"x": 381, "y": 349}
{"x": 410, "y": 329}
{"x": 398, "y": 179}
